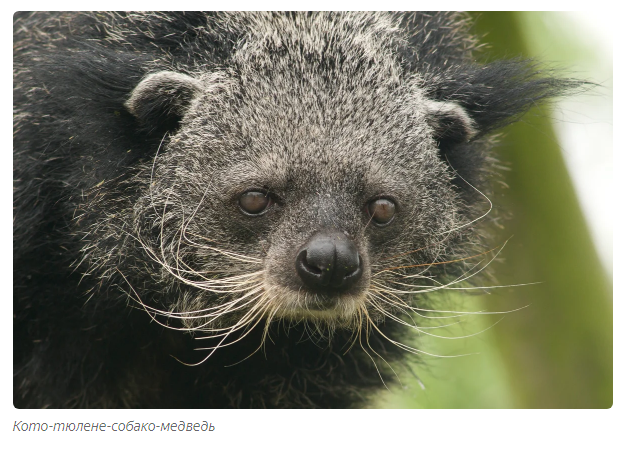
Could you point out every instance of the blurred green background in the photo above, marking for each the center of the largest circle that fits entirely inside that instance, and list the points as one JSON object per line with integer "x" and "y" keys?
{"x": 555, "y": 352}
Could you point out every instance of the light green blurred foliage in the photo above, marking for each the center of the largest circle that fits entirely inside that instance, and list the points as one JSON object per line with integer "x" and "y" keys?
{"x": 555, "y": 352}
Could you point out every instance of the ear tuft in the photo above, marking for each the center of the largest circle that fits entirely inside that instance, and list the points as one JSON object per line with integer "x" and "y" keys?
{"x": 161, "y": 99}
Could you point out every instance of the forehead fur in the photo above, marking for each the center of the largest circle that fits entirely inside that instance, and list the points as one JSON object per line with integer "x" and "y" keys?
{"x": 304, "y": 136}
{"x": 340, "y": 108}
{"x": 325, "y": 38}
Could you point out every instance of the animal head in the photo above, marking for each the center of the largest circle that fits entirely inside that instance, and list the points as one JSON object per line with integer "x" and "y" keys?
{"x": 325, "y": 173}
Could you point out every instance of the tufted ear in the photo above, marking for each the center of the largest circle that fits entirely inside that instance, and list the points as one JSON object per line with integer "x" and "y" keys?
{"x": 479, "y": 99}
{"x": 451, "y": 124}
{"x": 453, "y": 129}
{"x": 161, "y": 99}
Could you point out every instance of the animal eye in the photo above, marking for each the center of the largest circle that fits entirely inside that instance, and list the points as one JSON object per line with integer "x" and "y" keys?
{"x": 254, "y": 202}
{"x": 381, "y": 211}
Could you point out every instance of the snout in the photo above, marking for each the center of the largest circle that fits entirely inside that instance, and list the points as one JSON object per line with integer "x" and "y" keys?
{"x": 329, "y": 262}
{"x": 322, "y": 278}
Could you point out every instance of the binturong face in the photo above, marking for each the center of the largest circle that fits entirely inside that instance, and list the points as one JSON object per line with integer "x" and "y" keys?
{"x": 299, "y": 200}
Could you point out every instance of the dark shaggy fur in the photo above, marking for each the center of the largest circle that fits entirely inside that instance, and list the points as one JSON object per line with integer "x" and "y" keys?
{"x": 137, "y": 134}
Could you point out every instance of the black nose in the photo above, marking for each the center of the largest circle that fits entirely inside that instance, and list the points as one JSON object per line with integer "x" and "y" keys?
{"x": 329, "y": 261}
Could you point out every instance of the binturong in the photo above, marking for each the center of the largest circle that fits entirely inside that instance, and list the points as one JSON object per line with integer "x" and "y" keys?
{"x": 237, "y": 209}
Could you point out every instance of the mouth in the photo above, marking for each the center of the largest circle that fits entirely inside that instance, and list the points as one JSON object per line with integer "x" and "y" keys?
{"x": 304, "y": 305}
